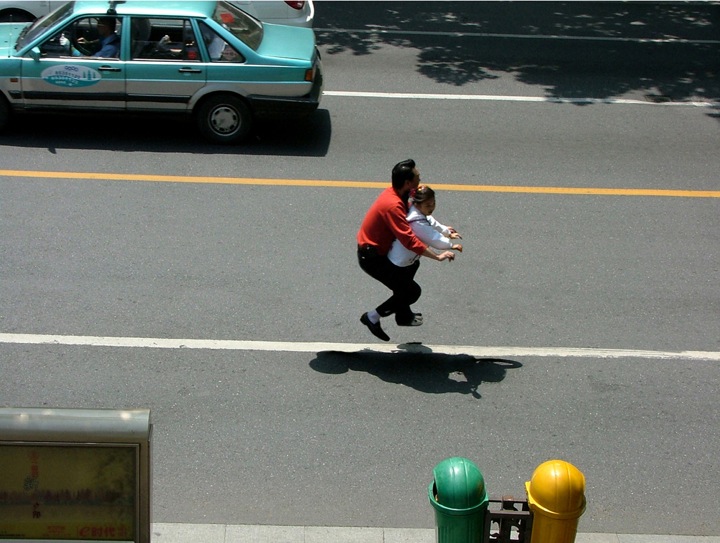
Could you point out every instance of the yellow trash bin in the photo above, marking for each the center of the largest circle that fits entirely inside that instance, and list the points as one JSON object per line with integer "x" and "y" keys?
{"x": 556, "y": 497}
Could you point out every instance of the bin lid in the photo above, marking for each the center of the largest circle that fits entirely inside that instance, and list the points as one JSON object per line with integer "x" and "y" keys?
{"x": 558, "y": 489}
{"x": 459, "y": 483}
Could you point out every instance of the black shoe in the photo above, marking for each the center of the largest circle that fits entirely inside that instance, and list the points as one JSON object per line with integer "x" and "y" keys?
{"x": 375, "y": 328}
{"x": 417, "y": 320}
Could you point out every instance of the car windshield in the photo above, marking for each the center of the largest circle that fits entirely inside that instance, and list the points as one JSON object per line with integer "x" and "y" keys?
{"x": 39, "y": 26}
{"x": 244, "y": 27}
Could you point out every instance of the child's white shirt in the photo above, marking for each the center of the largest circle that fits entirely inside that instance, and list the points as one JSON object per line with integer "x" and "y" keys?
{"x": 428, "y": 230}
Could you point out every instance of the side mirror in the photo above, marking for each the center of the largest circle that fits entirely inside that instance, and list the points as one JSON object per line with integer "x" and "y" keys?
{"x": 35, "y": 53}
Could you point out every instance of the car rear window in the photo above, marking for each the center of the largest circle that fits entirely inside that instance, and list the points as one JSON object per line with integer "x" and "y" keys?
{"x": 244, "y": 27}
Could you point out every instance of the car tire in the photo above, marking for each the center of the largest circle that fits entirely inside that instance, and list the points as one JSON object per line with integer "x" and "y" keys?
{"x": 4, "y": 113}
{"x": 224, "y": 119}
{"x": 16, "y": 16}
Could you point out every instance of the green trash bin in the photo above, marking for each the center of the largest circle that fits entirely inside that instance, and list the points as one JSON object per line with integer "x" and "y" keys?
{"x": 460, "y": 500}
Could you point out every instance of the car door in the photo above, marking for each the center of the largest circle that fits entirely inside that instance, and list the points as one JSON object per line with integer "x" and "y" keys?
{"x": 57, "y": 75}
{"x": 165, "y": 68}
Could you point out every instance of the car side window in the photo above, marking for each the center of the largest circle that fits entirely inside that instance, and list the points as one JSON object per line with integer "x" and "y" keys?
{"x": 218, "y": 49}
{"x": 57, "y": 46}
{"x": 163, "y": 39}
{"x": 89, "y": 36}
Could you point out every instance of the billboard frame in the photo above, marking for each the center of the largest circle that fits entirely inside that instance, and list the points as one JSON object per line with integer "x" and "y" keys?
{"x": 102, "y": 429}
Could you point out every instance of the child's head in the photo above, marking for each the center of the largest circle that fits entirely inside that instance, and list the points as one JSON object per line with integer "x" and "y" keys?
{"x": 424, "y": 199}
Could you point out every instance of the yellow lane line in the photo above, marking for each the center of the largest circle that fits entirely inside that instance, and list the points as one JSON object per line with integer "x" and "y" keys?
{"x": 360, "y": 184}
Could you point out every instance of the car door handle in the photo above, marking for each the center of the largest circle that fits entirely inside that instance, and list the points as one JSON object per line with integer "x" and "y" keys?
{"x": 189, "y": 71}
{"x": 109, "y": 69}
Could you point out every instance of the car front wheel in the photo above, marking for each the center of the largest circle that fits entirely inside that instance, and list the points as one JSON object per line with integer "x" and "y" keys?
{"x": 224, "y": 119}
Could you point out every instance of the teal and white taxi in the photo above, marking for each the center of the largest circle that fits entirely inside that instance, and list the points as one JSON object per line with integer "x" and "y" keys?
{"x": 207, "y": 59}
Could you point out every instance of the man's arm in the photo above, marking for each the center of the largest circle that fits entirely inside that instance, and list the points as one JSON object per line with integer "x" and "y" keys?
{"x": 397, "y": 222}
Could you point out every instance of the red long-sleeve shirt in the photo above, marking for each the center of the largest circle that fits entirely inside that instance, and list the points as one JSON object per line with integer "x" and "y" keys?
{"x": 385, "y": 221}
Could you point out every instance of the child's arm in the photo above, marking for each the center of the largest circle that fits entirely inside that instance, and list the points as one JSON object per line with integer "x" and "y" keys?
{"x": 428, "y": 234}
{"x": 447, "y": 231}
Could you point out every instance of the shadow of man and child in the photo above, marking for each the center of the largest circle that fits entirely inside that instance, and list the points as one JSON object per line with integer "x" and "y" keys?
{"x": 418, "y": 367}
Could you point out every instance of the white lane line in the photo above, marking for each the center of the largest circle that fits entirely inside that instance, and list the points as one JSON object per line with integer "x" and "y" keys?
{"x": 461, "y": 34}
{"x": 314, "y": 347}
{"x": 501, "y": 98}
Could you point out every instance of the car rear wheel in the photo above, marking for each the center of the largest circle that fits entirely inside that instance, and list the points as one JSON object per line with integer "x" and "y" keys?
{"x": 224, "y": 119}
{"x": 4, "y": 113}
{"x": 16, "y": 16}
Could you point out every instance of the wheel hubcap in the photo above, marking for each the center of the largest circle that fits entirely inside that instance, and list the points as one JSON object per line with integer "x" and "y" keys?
{"x": 225, "y": 120}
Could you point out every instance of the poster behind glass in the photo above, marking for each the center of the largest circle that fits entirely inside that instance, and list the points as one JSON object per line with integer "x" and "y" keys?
{"x": 68, "y": 492}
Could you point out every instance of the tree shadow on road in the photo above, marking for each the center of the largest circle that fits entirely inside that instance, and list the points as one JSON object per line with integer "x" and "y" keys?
{"x": 666, "y": 51}
{"x": 422, "y": 369}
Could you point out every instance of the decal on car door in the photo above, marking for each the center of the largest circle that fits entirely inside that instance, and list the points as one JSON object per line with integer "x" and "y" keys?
{"x": 71, "y": 75}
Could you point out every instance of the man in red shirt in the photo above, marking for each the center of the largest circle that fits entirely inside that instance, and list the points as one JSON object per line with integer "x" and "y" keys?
{"x": 384, "y": 222}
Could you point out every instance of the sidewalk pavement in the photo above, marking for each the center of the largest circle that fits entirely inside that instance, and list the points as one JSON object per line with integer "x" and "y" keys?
{"x": 222, "y": 533}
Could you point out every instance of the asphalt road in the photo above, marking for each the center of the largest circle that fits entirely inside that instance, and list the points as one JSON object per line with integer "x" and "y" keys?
{"x": 288, "y": 437}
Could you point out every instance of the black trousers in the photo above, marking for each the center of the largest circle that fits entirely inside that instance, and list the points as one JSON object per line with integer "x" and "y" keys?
{"x": 401, "y": 280}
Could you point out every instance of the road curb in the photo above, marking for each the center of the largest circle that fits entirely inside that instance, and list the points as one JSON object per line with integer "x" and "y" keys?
{"x": 225, "y": 533}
